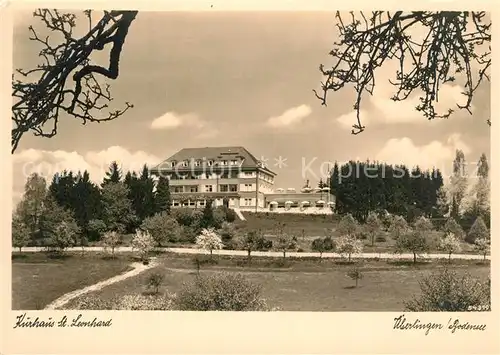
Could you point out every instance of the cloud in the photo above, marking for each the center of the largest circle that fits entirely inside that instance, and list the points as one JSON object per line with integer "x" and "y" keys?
{"x": 172, "y": 120}
{"x": 290, "y": 117}
{"x": 434, "y": 154}
{"x": 47, "y": 163}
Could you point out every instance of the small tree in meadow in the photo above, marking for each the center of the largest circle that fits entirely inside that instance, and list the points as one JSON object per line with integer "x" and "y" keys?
{"x": 413, "y": 242}
{"x": 144, "y": 243}
{"x": 398, "y": 227}
{"x": 154, "y": 281}
{"x": 209, "y": 240}
{"x": 348, "y": 226}
{"x": 373, "y": 226}
{"x": 111, "y": 241}
{"x": 251, "y": 241}
{"x": 349, "y": 245}
{"x": 20, "y": 233}
{"x": 451, "y": 226}
{"x": 450, "y": 244}
{"x": 355, "y": 274}
{"x": 162, "y": 227}
{"x": 64, "y": 235}
{"x": 482, "y": 246}
{"x": 322, "y": 245}
{"x": 285, "y": 242}
{"x": 477, "y": 231}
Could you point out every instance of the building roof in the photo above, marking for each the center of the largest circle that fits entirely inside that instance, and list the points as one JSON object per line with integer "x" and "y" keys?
{"x": 216, "y": 154}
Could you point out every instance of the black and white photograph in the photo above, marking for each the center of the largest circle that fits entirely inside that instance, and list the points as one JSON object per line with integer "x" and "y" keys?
{"x": 253, "y": 161}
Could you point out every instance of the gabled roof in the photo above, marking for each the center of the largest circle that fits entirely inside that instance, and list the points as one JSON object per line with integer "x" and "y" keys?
{"x": 215, "y": 154}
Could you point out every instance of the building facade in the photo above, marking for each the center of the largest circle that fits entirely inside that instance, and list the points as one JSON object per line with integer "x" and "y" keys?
{"x": 234, "y": 177}
{"x": 223, "y": 175}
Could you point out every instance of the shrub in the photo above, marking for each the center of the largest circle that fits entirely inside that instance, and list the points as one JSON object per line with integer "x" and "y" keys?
{"x": 221, "y": 292}
{"x": 20, "y": 233}
{"x": 478, "y": 230}
{"x": 135, "y": 302}
{"x": 373, "y": 226}
{"x": 285, "y": 242}
{"x": 381, "y": 239}
{"x": 398, "y": 227}
{"x": 96, "y": 229}
{"x": 209, "y": 240}
{"x": 450, "y": 244}
{"x": 322, "y": 245}
{"x": 143, "y": 242}
{"x": 162, "y": 227}
{"x": 154, "y": 281}
{"x": 183, "y": 216}
{"x": 111, "y": 240}
{"x": 482, "y": 246}
{"x": 451, "y": 226}
{"x": 413, "y": 242}
{"x": 64, "y": 235}
{"x": 355, "y": 274}
{"x": 348, "y": 245}
{"x": 227, "y": 232}
{"x": 446, "y": 291}
{"x": 348, "y": 226}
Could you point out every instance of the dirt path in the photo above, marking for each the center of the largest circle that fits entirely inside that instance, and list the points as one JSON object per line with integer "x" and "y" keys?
{"x": 137, "y": 269}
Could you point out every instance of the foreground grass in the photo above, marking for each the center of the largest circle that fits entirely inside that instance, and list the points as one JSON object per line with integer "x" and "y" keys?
{"x": 306, "y": 285}
{"x": 38, "y": 278}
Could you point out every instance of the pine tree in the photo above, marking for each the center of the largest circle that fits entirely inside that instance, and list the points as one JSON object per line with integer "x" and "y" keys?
{"x": 117, "y": 208}
{"x": 113, "y": 174}
{"x": 162, "y": 196}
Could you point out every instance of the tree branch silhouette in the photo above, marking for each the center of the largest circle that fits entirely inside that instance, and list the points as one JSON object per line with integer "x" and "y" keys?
{"x": 67, "y": 81}
{"x": 450, "y": 49}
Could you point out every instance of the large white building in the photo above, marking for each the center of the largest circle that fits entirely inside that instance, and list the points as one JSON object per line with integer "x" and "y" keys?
{"x": 232, "y": 176}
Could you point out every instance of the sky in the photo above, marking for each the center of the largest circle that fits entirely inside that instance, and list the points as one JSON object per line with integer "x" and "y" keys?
{"x": 235, "y": 78}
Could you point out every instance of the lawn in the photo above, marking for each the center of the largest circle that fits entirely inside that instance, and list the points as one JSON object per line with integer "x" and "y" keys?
{"x": 306, "y": 285}
{"x": 38, "y": 279}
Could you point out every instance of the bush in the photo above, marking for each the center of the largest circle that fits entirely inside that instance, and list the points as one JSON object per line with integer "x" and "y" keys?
{"x": 477, "y": 231}
{"x": 134, "y": 302}
{"x": 162, "y": 227}
{"x": 183, "y": 215}
{"x": 447, "y": 292}
{"x": 144, "y": 243}
{"x": 355, "y": 274}
{"x": 221, "y": 292}
{"x": 96, "y": 229}
{"x": 154, "y": 281}
{"x": 381, "y": 239}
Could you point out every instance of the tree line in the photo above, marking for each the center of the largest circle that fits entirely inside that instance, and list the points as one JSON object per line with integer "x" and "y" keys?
{"x": 73, "y": 210}
{"x": 362, "y": 187}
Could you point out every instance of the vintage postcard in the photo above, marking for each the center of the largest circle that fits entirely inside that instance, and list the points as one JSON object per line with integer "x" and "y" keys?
{"x": 249, "y": 177}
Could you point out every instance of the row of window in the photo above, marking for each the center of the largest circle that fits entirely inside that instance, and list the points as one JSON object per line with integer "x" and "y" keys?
{"x": 205, "y": 176}
{"x": 212, "y": 188}
{"x": 246, "y": 202}
{"x": 199, "y": 162}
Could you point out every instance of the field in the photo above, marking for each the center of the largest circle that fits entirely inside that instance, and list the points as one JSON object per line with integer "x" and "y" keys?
{"x": 306, "y": 285}
{"x": 38, "y": 279}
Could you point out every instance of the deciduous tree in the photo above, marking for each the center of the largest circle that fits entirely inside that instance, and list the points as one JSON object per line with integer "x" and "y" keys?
{"x": 454, "y": 46}
{"x": 67, "y": 83}
{"x": 348, "y": 245}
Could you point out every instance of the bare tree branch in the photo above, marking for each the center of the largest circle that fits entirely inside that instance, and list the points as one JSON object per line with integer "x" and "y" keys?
{"x": 66, "y": 81}
{"x": 453, "y": 46}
